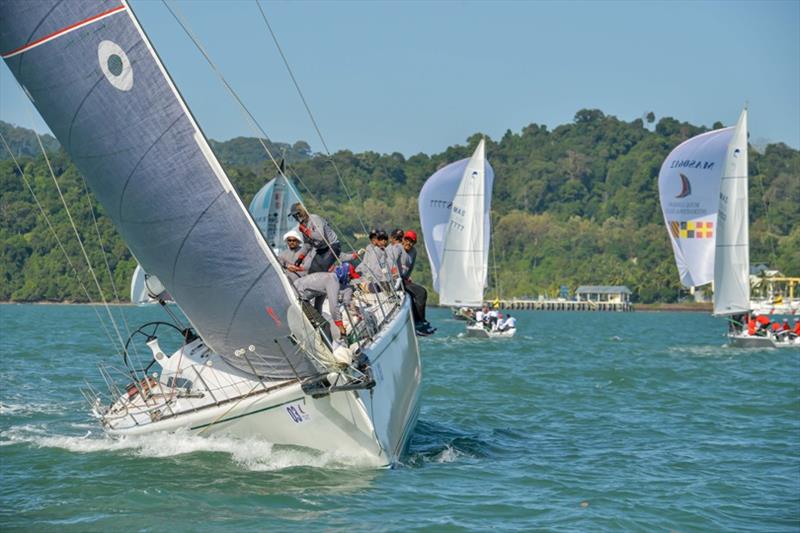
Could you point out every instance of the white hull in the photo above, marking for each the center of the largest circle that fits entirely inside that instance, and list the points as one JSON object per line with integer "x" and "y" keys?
{"x": 373, "y": 424}
{"x": 478, "y": 331}
{"x": 755, "y": 341}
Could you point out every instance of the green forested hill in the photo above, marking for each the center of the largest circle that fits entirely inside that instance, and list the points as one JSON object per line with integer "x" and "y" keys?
{"x": 575, "y": 205}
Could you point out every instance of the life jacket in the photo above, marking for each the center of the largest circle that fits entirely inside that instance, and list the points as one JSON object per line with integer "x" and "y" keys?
{"x": 763, "y": 320}
{"x": 776, "y": 326}
{"x": 751, "y": 327}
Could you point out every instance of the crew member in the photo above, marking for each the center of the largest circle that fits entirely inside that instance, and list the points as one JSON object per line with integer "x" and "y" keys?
{"x": 317, "y": 286}
{"x": 374, "y": 266}
{"x": 509, "y": 323}
{"x": 418, "y": 294}
{"x": 763, "y": 325}
{"x": 393, "y": 252}
{"x": 318, "y": 238}
{"x": 291, "y": 259}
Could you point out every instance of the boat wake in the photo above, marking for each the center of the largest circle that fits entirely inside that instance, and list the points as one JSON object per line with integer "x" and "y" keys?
{"x": 436, "y": 443}
{"x": 250, "y": 454}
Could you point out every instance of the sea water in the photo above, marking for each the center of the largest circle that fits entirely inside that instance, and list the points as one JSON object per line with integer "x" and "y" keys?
{"x": 582, "y": 422}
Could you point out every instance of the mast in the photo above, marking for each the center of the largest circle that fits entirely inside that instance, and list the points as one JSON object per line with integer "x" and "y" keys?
{"x": 732, "y": 264}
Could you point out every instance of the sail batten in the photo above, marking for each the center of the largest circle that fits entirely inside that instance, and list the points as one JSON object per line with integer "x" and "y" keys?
{"x": 128, "y": 131}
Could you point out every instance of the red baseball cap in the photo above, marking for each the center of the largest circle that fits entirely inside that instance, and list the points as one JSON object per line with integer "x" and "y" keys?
{"x": 410, "y": 235}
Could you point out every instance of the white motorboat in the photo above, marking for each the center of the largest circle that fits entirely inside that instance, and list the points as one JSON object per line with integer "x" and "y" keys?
{"x": 704, "y": 199}
{"x": 251, "y": 361}
{"x": 481, "y": 332}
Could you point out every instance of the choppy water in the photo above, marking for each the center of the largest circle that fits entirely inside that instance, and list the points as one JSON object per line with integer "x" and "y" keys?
{"x": 583, "y": 422}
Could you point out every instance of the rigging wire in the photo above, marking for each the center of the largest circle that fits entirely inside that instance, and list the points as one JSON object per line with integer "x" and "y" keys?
{"x": 80, "y": 243}
{"x": 261, "y": 135}
{"x": 310, "y": 114}
{"x": 105, "y": 260}
{"x": 254, "y": 124}
{"x": 58, "y": 240}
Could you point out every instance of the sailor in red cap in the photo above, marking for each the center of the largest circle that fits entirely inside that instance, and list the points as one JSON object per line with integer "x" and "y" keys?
{"x": 418, "y": 294}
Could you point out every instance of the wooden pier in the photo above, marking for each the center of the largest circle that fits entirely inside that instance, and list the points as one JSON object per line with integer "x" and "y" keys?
{"x": 564, "y": 305}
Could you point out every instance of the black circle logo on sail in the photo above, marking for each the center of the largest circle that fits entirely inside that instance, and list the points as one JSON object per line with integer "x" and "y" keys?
{"x": 115, "y": 65}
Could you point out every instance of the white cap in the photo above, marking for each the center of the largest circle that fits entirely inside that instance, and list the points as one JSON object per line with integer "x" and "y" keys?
{"x": 293, "y": 233}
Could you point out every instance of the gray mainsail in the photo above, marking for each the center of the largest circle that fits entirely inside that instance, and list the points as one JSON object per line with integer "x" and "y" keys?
{"x": 96, "y": 80}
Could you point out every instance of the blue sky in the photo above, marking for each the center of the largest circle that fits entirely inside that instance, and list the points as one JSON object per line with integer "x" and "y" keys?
{"x": 421, "y": 76}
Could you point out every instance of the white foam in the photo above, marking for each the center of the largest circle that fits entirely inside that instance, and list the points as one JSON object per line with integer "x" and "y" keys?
{"x": 251, "y": 454}
{"x": 13, "y": 409}
{"x": 448, "y": 455}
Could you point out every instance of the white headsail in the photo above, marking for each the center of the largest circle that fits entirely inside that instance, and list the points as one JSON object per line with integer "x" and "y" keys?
{"x": 129, "y": 132}
{"x": 454, "y": 206}
{"x": 732, "y": 265}
{"x": 270, "y": 209}
{"x": 689, "y": 185}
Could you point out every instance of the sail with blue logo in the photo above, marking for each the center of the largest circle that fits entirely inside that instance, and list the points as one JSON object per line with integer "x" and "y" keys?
{"x": 689, "y": 187}
{"x": 454, "y": 212}
{"x": 270, "y": 209}
{"x": 90, "y": 71}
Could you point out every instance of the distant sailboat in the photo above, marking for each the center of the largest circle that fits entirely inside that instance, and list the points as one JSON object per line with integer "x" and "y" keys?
{"x": 270, "y": 209}
{"x": 455, "y": 215}
{"x": 704, "y": 198}
{"x": 250, "y": 362}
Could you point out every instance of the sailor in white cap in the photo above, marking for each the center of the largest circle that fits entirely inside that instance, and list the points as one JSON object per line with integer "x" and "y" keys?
{"x": 292, "y": 258}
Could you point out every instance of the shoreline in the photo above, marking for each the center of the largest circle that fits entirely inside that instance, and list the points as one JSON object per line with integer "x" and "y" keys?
{"x": 646, "y": 308}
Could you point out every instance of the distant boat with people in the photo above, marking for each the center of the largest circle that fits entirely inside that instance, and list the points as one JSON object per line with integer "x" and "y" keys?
{"x": 703, "y": 188}
{"x": 455, "y": 215}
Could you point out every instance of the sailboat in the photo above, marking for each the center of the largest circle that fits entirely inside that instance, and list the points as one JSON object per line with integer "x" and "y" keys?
{"x": 270, "y": 209}
{"x": 249, "y": 362}
{"x": 454, "y": 211}
{"x": 704, "y": 198}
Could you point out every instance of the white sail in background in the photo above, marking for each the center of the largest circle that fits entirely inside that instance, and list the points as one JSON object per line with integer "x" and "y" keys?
{"x": 732, "y": 265}
{"x": 454, "y": 207}
{"x": 435, "y": 204}
{"x": 689, "y": 186}
{"x": 270, "y": 209}
{"x": 139, "y": 294}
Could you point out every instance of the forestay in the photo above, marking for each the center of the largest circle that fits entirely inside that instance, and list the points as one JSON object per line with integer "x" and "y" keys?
{"x": 436, "y": 200}
{"x": 689, "y": 186}
{"x": 90, "y": 71}
{"x": 270, "y": 209}
{"x": 732, "y": 265}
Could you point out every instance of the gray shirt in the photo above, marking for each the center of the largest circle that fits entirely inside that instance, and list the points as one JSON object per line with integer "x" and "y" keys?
{"x": 393, "y": 253}
{"x": 324, "y": 284}
{"x": 407, "y": 260}
{"x": 317, "y": 234}
{"x": 290, "y": 257}
{"x": 374, "y": 265}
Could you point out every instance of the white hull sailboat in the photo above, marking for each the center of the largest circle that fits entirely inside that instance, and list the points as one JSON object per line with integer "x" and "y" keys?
{"x": 704, "y": 198}
{"x": 455, "y": 215}
{"x": 250, "y": 360}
